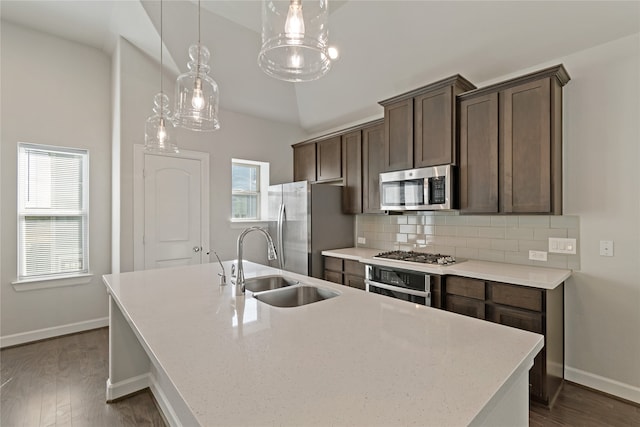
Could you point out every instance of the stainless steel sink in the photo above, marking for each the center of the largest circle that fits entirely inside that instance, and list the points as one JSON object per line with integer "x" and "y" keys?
{"x": 267, "y": 283}
{"x": 295, "y": 296}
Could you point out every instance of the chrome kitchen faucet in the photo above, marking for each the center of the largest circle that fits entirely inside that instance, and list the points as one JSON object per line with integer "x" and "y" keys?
{"x": 271, "y": 255}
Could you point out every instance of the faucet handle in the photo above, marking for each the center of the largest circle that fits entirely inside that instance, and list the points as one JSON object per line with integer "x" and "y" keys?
{"x": 233, "y": 270}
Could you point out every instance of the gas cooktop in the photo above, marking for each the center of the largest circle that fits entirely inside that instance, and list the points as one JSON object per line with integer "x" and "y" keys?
{"x": 419, "y": 257}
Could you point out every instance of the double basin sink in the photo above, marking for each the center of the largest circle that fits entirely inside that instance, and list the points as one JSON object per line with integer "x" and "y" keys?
{"x": 281, "y": 291}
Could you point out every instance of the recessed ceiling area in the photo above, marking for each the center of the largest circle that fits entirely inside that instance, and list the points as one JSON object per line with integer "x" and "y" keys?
{"x": 386, "y": 47}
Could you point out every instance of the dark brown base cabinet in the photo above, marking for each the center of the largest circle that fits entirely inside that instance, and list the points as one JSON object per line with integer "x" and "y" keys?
{"x": 344, "y": 272}
{"x": 532, "y": 309}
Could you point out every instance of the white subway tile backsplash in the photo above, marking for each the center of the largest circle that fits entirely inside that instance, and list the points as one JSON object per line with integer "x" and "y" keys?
{"x": 502, "y": 238}
{"x": 467, "y": 231}
{"x": 471, "y": 253}
{"x": 408, "y": 229}
{"x": 545, "y": 233}
{"x": 479, "y": 220}
{"x": 456, "y": 220}
{"x": 491, "y": 255}
{"x": 519, "y": 233}
{"x": 445, "y": 230}
{"x": 491, "y": 232}
{"x": 479, "y": 243}
{"x": 533, "y": 221}
{"x": 505, "y": 245}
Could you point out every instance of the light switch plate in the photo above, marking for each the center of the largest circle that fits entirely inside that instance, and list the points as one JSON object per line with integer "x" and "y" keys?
{"x": 362, "y": 240}
{"x": 606, "y": 247}
{"x": 538, "y": 255}
{"x": 559, "y": 245}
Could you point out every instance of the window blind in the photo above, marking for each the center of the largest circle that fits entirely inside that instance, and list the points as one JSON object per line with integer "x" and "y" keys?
{"x": 52, "y": 211}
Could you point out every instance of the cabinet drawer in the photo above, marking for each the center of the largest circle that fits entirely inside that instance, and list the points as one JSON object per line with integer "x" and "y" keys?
{"x": 516, "y": 296}
{"x": 354, "y": 281}
{"x": 334, "y": 264}
{"x": 354, "y": 268}
{"x": 515, "y": 318}
{"x": 333, "y": 276}
{"x": 471, "y": 288}
{"x": 466, "y": 306}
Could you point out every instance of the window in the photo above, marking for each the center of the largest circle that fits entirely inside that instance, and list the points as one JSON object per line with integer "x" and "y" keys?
{"x": 249, "y": 186}
{"x": 53, "y": 201}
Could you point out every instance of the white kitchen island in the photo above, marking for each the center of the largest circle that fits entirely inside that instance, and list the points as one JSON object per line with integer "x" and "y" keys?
{"x": 211, "y": 358}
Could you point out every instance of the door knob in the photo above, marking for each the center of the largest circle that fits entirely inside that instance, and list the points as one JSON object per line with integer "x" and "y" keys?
{"x": 197, "y": 249}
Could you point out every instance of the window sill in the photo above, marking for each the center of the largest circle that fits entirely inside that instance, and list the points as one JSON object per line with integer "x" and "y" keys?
{"x": 242, "y": 223}
{"x": 56, "y": 282}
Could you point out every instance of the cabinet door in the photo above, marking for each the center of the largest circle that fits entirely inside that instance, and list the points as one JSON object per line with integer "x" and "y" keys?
{"x": 479, "y": 154}
{"x": 372, "y": 163}
{"x": 354, "y": 268}
{"x": 525, "y": 113}
{"x": 304, "y": 163}
{"x": 467, "y": 306}
{"x": 354, "y": 281}
{"x": 352, "y": 171}
{"x": 330, "y": 159}
{"x": 515, "y": 318}
{"x": 433, "y": 138}
{"x": 398, "y": 135}
{"x": 333, "y": 276}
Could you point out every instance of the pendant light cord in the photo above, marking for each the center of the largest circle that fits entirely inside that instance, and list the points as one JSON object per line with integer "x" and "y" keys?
{"x": 198, "y": 61}
{"x": 161, "y": 91}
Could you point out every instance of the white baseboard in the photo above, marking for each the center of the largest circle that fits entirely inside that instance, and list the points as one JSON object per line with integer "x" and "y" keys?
{"x": 56, "y": 331}
{"x": 606, "y": 385}
{"x": 127, "y": 387}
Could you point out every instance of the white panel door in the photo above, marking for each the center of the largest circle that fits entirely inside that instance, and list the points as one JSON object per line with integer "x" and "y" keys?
{"x": 172, "y": 211}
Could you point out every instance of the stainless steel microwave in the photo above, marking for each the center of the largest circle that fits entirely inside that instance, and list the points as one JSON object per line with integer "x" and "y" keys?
{"x": 421, "y": 189}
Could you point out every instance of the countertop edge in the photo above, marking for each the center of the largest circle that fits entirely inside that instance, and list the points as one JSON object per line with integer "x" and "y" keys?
{"x": 476, "y": 269}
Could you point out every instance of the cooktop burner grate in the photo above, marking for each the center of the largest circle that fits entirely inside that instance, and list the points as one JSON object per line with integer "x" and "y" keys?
{"x": 419, "y": 257}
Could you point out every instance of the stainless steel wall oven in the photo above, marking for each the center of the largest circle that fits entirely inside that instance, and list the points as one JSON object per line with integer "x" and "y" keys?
{"x": 411, "y": 286}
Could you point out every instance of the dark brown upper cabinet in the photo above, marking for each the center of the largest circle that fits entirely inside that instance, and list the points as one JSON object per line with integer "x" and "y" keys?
{"x": 304, "y": 162}
{"x": 372, "y": 163}
{"x": 511, "y": 145}
{"x": 479, "y": 154}
{"x": 329, "y": 160}
{"x": 352, "y": 172}
{"x": 420, "y": 126}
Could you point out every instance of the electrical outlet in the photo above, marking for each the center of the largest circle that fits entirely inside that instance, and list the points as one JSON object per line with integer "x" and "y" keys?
{"x": 538, "y": 255}
{"x": 562, "y": 246}
{"x": 362, "y": 240}
{"x": 606, "y": 247}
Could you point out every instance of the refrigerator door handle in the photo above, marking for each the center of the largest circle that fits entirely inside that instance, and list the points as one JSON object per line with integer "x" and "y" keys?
{"x": 280, "y": 236}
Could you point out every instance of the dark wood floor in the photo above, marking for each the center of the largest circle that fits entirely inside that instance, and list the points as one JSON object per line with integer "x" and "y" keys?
{"x": 61, "y": 382}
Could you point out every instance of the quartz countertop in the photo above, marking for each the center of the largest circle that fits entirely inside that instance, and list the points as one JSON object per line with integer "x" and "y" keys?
{"x": 535, "y": 277}
{"x": 355, "y": 359}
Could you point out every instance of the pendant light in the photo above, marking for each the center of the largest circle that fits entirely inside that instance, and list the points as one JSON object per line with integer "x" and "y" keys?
{"x": 196, "y": 92}
{"x": 159, "y": 135}
{"x": 295, "y": 41}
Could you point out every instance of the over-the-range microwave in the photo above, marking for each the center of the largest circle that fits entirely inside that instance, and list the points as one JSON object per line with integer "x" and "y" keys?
{"x": 423, "y": 189}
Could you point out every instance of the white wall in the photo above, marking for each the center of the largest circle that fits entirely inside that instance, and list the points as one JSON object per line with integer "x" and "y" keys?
{"x": 54, "y": 92}
{"x": 602, "y": 186}
{"x": 240, "y": 136}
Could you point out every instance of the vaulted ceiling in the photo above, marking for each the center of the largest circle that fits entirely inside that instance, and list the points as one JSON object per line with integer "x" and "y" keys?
{"x": 386, "y": 47}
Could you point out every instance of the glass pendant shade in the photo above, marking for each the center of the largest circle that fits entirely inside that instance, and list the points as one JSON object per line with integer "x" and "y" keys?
{"x": 159, "y": 135}
{"x": 197, "y": 94}
{"x": 295, "y": 39}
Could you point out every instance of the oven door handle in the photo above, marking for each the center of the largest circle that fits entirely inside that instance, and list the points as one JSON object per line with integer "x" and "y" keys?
{"x": 398, "y": 289}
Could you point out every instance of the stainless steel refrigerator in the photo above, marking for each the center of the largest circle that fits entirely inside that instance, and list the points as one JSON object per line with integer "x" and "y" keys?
{"x": 304, "y": 220}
